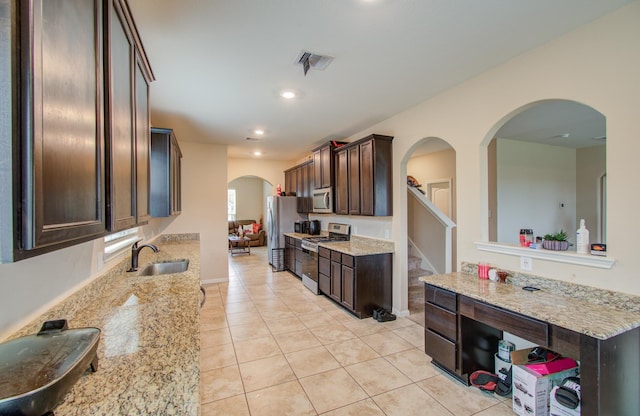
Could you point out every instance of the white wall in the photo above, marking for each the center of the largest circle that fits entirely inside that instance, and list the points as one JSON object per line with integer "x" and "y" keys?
{"x": 533, "y": 180}
{"x": 590, "y": 166}
{"x": 597, "y": 65}
{"x": 204, "y": 206}
{"x": 271, "y": 171}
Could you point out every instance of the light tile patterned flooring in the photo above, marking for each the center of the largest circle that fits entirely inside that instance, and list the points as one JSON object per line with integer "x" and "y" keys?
{"x": 271, "y": 347}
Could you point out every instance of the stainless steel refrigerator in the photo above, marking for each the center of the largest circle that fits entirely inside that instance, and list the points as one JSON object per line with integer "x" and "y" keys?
{"x": 282, "y": 212}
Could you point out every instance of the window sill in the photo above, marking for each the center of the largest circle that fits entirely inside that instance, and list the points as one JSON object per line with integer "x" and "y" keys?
{"x": 566, "y": 257}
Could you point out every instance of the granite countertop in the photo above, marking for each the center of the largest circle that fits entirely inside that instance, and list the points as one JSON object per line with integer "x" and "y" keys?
{"x": 149, "y": 342}
{"x": 579, "y": 315}
{"x": 356, "y": 246}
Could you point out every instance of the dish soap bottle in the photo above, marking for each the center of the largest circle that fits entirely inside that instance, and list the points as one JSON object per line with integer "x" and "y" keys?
{"x": 582, "y": 239}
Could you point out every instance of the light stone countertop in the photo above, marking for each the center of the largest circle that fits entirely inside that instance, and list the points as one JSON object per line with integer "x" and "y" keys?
{"x": 149, "y": 343}
{"x": 357, "y": 246}
{"x": 579, "y": 315}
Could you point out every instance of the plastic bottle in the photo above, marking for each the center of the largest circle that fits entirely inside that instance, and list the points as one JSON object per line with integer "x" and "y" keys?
{"x": 582, "y": 239}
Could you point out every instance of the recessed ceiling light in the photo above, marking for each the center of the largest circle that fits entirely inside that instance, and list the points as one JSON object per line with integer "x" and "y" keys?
{"x": 259, "y": 132}
{"x": 257, "y": 153}
{"x": 288, "y": 94}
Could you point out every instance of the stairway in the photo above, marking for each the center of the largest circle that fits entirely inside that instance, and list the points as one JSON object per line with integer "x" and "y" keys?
{"x": 416, "y": 288}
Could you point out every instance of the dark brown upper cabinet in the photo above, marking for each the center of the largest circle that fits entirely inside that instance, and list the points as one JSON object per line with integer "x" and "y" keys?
{"x": 166, "y": 172}
{"x": 323, "y": 165}
{"x": 342, "y": 183}
{"x": 59, "y": 104}
{"x": 143, "y": 143}
{"x": 290, "y": 182}
{"x": 128, "y": 143}
{"x": 79, "y": 112}
{"x": 364, "y": 177}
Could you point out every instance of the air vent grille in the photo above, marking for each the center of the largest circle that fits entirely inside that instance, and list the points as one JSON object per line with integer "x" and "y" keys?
{"x": 310, "y": 60}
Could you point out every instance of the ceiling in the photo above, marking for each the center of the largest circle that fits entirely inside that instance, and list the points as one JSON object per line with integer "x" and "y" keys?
{"x": 220, "y": 65}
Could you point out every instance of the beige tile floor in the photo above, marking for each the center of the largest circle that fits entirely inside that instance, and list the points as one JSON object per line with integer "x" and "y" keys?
{"x": 271, "y": 347}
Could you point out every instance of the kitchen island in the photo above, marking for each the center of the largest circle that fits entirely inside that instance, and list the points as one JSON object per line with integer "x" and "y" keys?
{"x": 149, "y": 345}
{"x": 465, "y": 317}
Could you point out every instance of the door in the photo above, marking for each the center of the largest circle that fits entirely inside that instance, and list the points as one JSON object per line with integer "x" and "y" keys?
{"x": 121, "y": 138}
{"x": 336, "y": 281}
{"x": 354, "y": 180}
{"x": 61, "y": 201}
{"x": 342, "y": 184}
{"x": 439, "y": 192}
{"x": 348, "y": 283}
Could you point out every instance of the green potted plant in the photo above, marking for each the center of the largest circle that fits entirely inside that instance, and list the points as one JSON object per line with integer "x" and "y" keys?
{"x": 557, "y": 241}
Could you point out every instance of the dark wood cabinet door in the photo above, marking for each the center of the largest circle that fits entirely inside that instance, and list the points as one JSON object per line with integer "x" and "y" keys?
{"x": 354, "y": 180}
{"x": 143, "y": 144}
{"x": 290, "y": 181}
{"x": 342, "y": 184}
{"x": 165, "y": 173}
{"x": 121, "y": 130}
{"x": 308, "y": 188}
{"x": 317, "y": 170}
{"x": 62, "y": 179}
{"x": 326, "y": 162}
{"x": 367, "y": 187}
{"x": 300, "y": 189}
{"x": 348, "y": 285}
{"x": 324, "y": 283}
{"x": 175, "y": 187}
{"x": 336, "y": 281}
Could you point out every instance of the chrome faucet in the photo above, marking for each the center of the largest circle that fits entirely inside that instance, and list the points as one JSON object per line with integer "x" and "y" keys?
{"x": 135, "y": 251}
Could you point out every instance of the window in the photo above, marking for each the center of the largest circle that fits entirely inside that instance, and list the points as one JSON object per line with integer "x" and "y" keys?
{"x": 231, "y": 204}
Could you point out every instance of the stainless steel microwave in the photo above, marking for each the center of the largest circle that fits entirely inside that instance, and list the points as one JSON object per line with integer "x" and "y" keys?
{"x": 323, "y": 200}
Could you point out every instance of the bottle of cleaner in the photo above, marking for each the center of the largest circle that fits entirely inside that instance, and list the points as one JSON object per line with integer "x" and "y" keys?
{"x": 582, "y": 239}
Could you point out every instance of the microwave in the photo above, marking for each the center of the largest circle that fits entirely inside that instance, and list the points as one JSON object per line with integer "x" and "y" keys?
{"x": 323, "y": 200}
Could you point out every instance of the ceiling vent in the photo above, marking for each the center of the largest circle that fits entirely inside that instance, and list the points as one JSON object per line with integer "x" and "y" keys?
{"x": 252, "y": 139}
{"x": 310, "y": 60}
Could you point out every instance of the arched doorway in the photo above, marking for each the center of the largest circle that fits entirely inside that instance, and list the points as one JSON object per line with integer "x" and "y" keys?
{"x": 431, "y": 214}
{"x": 246, "y": 202}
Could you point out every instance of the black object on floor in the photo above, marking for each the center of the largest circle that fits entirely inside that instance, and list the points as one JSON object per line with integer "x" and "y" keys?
{"x": 382, "y": 315}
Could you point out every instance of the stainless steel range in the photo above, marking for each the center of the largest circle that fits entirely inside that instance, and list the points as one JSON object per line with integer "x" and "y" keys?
{"x": 337, "y": 232}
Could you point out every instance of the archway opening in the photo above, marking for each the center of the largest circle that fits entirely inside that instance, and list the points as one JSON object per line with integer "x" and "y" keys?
{"x": 431, "y": 216}
{"x": 546, "y": 166}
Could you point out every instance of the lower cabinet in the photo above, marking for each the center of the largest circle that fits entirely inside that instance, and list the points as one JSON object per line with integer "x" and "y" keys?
{"x": 441, "y": 328}
{"x": 358, "y": 283}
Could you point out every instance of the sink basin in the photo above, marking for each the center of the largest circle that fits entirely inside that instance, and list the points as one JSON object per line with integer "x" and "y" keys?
{"x": 165, "y": 267}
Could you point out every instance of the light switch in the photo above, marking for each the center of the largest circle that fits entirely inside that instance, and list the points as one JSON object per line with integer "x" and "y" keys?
{"x": 526, "y": 263}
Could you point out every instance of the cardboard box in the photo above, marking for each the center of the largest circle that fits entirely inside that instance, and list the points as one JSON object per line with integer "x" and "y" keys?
{"x": 556, "y": 409}
{"x": 530, "y": 389}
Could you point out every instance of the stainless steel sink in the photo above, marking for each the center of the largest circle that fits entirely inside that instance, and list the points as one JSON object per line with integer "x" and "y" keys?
{"x": 165, "y": 267}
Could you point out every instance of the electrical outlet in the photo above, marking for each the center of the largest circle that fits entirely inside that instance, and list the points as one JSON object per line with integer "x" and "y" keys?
{"x": 526, "y": 263}
{"x": 386, "y": 233}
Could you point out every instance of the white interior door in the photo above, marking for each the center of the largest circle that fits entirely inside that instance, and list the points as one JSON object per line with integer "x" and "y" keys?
{"x": 439, "y": 192}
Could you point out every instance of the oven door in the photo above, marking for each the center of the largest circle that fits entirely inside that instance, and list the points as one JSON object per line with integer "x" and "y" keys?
{"x": 310, "y": 270}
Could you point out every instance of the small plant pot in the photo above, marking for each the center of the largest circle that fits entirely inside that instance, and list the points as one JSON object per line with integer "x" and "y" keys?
{"x": 555, "y": 245}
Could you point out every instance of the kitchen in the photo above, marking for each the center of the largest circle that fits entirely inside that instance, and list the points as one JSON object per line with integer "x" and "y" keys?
{"x": 609, "y": 85}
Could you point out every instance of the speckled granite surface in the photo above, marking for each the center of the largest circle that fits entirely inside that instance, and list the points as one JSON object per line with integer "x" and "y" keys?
{"x": 616, "y": 300}
{"x": 580, "y": 315}
{"x": 149, "y": 345}
{"x": 357, "y": 246}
